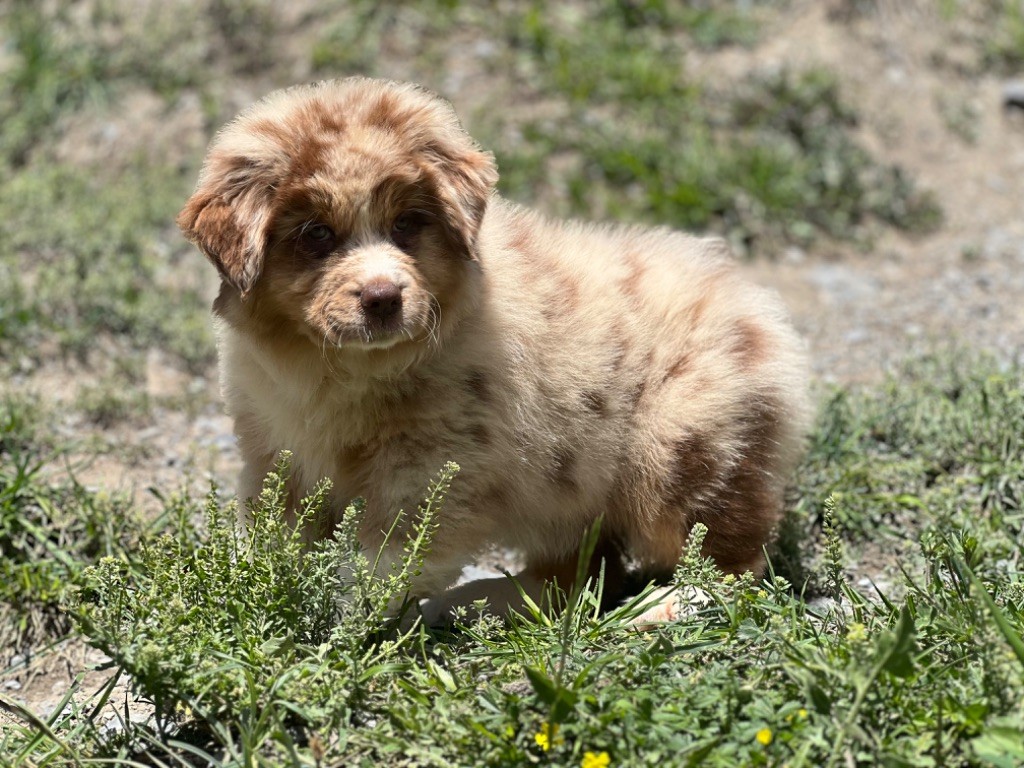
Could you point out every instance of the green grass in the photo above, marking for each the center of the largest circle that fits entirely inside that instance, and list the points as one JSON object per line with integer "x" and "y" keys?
{"x": 88, "y": 250}
{"x": 51, "y": 527}
{"x": 989, "y": 33}
{"x": 95, "y": 272}
{"x": 255, "y": 652}
{"x": 1004, "y": 39}
{"x": 81, "y": 246}
{"x": 101, "y": 268}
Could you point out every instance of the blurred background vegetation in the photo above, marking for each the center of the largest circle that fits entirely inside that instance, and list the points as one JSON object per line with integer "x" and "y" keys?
{"x": 591, "y": 109}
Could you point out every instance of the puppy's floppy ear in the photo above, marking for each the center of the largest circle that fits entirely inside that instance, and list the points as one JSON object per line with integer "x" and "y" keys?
{"x": 229, "y": 215}
{"x": 465, "y": 176}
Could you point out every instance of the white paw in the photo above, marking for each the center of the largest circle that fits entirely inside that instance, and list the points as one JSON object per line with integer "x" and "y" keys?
{"x": 670, "y": 604}
{"x": 435, "y": 611}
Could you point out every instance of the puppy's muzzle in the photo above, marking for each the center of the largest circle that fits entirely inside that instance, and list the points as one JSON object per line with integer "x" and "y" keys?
{"x": 381, "y": 300}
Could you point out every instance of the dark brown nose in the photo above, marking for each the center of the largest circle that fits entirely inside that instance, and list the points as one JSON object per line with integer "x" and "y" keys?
{"x": 381, "y": 299}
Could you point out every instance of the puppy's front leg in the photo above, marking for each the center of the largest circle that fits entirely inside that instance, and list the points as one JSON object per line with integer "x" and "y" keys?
{"x": 257, "y": 463}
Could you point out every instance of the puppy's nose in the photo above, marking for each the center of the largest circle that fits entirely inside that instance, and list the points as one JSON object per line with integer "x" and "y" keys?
{"x": 381, "y": 299}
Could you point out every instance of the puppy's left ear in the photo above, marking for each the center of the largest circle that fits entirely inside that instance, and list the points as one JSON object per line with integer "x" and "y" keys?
{"x": 466, "y": 177}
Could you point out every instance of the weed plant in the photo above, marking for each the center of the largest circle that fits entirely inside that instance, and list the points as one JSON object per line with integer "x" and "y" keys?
{"x": 253, "y": 619}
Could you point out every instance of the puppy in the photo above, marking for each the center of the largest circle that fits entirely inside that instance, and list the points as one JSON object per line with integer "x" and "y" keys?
{"x": 383, "y": 311}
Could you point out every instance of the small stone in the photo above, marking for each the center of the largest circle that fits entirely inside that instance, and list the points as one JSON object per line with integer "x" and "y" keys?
{"x": 1013, "y": 94}
{"x": 794, "y": 255}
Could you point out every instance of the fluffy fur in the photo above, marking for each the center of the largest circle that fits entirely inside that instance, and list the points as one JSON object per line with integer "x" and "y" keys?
{"x": 383, "y": 311}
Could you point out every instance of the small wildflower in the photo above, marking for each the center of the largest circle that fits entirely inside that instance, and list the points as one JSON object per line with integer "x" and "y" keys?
{"x": 764, "y": 736}
{"x": 548, "y": 736}
{"x": 800, "y": 714}
{"x": 596, "y": 760}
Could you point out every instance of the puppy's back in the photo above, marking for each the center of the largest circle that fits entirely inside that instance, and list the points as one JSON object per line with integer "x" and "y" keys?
{"x": 677, "y": 383}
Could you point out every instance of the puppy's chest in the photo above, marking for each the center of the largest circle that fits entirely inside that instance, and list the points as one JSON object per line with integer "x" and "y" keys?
{"x": 352, "y": 435}
{"x": 385, "y": 444}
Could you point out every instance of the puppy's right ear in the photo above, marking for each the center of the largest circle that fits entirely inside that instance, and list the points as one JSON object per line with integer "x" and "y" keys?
{"x": 229, "y": 218}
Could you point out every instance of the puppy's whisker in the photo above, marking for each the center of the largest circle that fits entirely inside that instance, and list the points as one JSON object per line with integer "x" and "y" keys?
{"x": 334, "y": 332}
{"x": 323, "y": 353}
{"x": 434, "y": 321}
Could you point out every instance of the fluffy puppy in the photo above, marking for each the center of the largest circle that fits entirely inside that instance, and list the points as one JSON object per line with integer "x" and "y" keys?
{"x": 383, "y": 311}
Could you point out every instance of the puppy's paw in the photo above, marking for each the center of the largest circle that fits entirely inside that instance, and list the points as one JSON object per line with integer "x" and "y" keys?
{"x": 670, "y": 604}
{"x": 436, "y": 611}
{"x": 498, "y": 597}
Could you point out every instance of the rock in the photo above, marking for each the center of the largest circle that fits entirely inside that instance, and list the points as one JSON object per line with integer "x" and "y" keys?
{"x": 794, "y": 255}
{"x": 1013, "y": 94}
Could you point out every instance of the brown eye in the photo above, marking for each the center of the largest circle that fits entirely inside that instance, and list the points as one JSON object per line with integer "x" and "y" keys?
{"x": 403, "y": 223}
{"x": 405, "y": 228}
{"x": 318, "y": 233}
{"x": 317, "y": 240}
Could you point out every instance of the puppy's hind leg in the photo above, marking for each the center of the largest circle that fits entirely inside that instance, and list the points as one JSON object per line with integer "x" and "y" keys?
{"x": 503, "y": 595}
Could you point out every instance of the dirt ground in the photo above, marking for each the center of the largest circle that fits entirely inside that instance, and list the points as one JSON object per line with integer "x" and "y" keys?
{"x": 861, "y": 311}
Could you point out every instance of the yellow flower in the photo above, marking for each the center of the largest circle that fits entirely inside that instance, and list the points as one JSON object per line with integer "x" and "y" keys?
{"x": 596, "y": 760}
{"x": 764, "y": 736}
{"x": 800, "y": 714}
{"x": 548, "y": 736}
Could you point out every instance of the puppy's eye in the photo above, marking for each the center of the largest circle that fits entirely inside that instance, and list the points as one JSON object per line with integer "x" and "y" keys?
{"x": 402, "y": 223}
{"x": 318, "y": 233}
{"x": 406, "y": 226}
{"x": 317, "y": 240}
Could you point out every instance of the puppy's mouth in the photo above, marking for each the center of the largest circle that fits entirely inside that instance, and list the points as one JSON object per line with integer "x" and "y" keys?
{"x": 379, "y": 318}
{"x": 371, "y": 334}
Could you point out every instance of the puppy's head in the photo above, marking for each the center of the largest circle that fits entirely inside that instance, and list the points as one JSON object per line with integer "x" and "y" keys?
{"x": 346, "y": 212}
